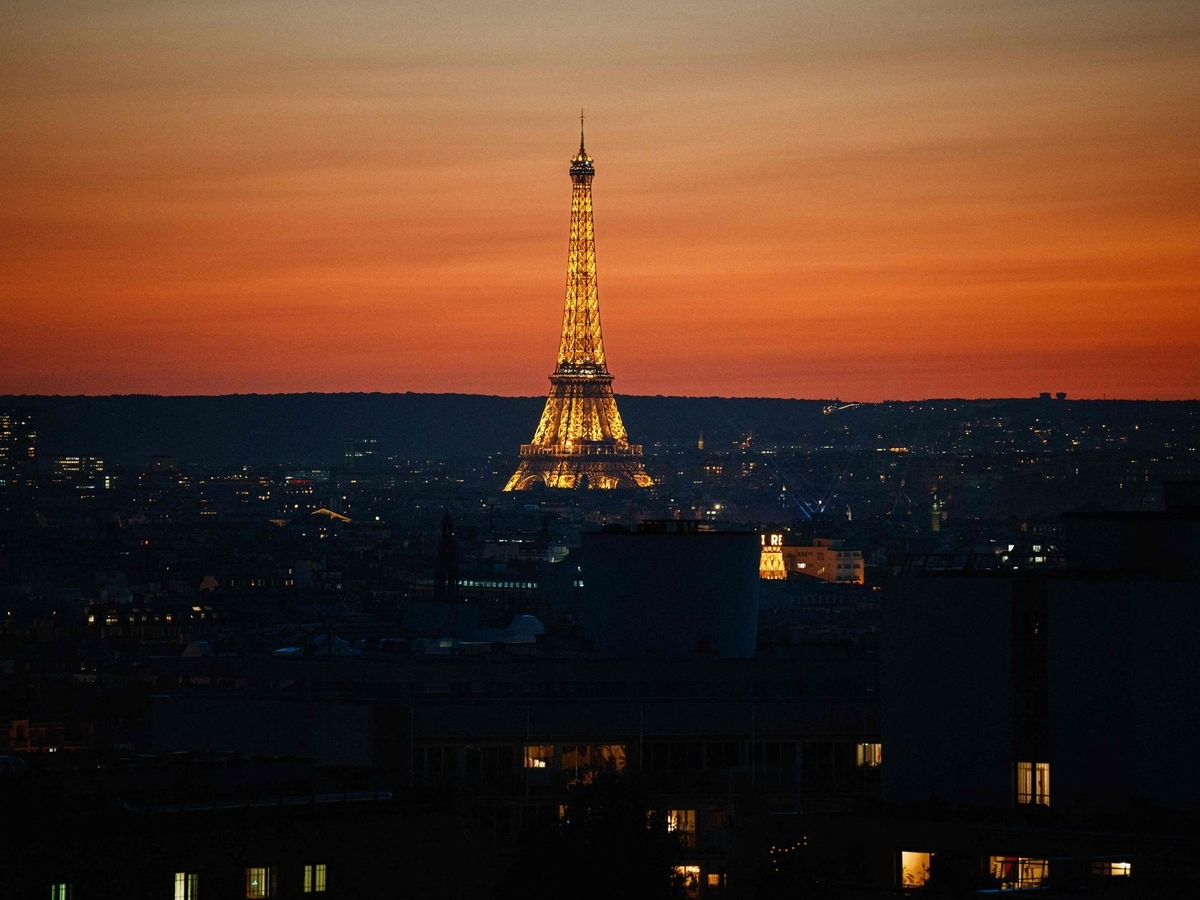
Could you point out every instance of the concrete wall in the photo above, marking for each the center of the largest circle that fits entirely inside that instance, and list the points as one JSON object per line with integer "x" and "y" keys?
{"x": 1089, "y": 670}
{"x": 1166, "y": 691}
{"x": 331, "y": 733}
{"x": 947, "y": 691}
{"x": 1124, "y": 713}
{"x": 671, "y": 593}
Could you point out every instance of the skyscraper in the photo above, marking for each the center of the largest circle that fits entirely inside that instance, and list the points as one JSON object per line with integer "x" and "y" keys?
{"x": 581, "y": 440}
{"x": 18, "y": 447}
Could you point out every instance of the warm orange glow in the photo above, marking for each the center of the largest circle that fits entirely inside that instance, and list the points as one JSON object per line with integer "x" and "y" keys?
{"x": 1016, "y": 872}
{"x": 771, "y": 566}
{"x": 861, "y": 200}
{"x": 1033, "y": 783}
{"x": 870, "y": 755}
{"x": 914, "y": 868}
{"x": 689, "y": 880}
{"x": 580, "y": 440}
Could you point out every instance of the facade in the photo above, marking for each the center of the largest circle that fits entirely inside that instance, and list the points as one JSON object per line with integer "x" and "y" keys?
{"x": 1075, "y": 687}
{"x": 771, "y": 566}
{"x": 362, "y": 454}
{"x": 1052, "y": 709}
{"x": 161, "y": 465}
{"x": 581, "y": 440}
{"x": 498, "y": 741}
{"x": 826, "y": 559}
{"x": 671, "y": 589}
{"x": 18, "y": 448}
{"x": 82, "y": 470}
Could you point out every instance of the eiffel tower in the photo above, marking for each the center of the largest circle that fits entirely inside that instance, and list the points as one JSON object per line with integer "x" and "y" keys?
{"x": 580, "y": 440}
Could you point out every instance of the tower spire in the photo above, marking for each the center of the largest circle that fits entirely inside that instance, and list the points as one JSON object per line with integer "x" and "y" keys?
{"x": 581, "y": 439}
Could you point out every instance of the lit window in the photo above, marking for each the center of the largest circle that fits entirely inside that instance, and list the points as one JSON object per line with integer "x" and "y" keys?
{"x": 689, "y": 880}
{"x": 1110, "y": 867}
{"x": 610, "y": 756}
{"x": 714, "y": 879}
{"x": 914, "y": 868}
{"x": 187, "y": 886}
{"x": 682, "y": 823}
{"x": 1019, "y": 872}
{"x": 1033, "y": 783}
{"x": 60, "y": 891}
{"x": 539, "y": 756}
{"x": 260, "y": 882}
{"x": 870, "y": 755}
{"x": 576, "y": 757}
{"x": 314, "y": 879}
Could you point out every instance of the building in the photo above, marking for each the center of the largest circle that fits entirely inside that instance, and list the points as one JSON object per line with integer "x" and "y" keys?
{"x": 771, "y": 566}
{"x": 498, "y": 740}
{"x": 1053, "y": 708}
{"x": 826, "y": 559}
{"x": 18, "y": 447}
{"x": 671, "y": 589}
{"x": 362, "y": 454}
{"x": 81, "y": 470}
{"x": 161, "y": 465}
{"x": 581, "y": 440}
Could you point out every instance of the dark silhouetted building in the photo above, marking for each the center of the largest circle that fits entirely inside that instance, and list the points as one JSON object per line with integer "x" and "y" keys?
{"x": 671, "y": 589}
{"x": 1065, "y": 698}
{"x": 362, "y": 454}
{"x": 445, "y": 578}
{"x": 18, "y": 447}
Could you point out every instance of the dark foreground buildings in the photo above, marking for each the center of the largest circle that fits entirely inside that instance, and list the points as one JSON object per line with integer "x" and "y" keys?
{"x": 1039, "y": 727}
{"x": 422, "y": 766}
{"x": 1018, "y": 730}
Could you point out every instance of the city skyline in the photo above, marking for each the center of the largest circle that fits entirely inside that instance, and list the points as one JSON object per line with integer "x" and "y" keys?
{"x": 870, "y": 201}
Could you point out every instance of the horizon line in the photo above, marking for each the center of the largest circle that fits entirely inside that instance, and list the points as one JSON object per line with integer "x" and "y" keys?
{"x": 963, "y": 399}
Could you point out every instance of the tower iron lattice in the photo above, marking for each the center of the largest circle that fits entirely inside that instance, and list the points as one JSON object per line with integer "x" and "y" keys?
{"x": 581, "y": 440}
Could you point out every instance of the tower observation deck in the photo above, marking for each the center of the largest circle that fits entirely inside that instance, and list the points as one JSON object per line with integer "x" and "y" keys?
{"x": 581, "y": 440}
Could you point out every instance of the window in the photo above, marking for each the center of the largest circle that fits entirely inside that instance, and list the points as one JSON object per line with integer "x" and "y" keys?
{"x": 583, "y": 760}
{"x": 1110, "y": 867}
{"x": 1033, "y": 783}
{"x": 870, "y": 755}
{"x": 682, "y": 823}
{"x": 689, "y": 879}
{"x": 441, "y": 765}
{"x": 714, "y": 879}
{"x": 60, "y": 891}
{"x": 487, "y": 763}
{"x": 723, "y": 755}
{"x": 576, "y": 757}
{"x": 260, "y": 882}
{"x": 539, "y": 756}
{"x": 914, "y": 868}
{"x": 610, "y": 756}
{"x": 1018, "y": 871}
{"x": 314, "y": 879}
{"x": 187, "y": 886}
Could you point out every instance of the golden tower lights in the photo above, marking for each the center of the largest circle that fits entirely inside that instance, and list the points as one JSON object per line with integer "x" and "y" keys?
{"x": 581, "y": 440}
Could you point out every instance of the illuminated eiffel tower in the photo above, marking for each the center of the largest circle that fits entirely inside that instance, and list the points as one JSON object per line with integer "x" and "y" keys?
{"x": 581, "y": 441}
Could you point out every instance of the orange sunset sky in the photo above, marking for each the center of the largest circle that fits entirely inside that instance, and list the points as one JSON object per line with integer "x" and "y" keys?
{"x": 866, "y": 199}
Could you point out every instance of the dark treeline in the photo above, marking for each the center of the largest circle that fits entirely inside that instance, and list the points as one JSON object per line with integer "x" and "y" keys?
{"x": 258, "y": 429}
